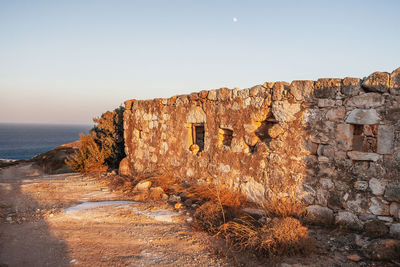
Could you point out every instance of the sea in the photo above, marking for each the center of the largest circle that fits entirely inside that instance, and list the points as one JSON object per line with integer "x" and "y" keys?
{"x": 24, "y": 141}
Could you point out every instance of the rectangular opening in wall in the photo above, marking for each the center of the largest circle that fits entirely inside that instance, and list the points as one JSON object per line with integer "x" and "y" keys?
{"x": 225, "y": 136}
{"x": 198, "y": 133}
{"x": 365, "y": 138}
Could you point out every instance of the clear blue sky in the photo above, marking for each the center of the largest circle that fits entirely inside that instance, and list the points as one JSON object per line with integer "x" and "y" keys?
{"x": 69, "y": 61}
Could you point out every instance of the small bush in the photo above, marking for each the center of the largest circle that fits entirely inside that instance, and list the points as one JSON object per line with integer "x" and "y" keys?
{"x": 103, "y": 148}
{"x": 281, "y": 236}
{"x": 283, "y": 207}
{"x": 108, "y": 133}
{"x": 89, "y": 157}
{"x": 217, "y": 194}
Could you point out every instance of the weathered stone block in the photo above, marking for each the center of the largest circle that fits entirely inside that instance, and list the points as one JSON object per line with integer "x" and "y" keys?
{"x": 196, "y": 115}
{"x": 336, "y": 114}
{"x": 326, "y": 150}
{"x": 224, "y": 94}
{"x": 326, "y": 183}
{"x": 368, "y": 100}
{"x": 143, "y": 186}
{"x": 395, "y": 82}
{"x": 361, "y": 185}
{"x": 275, "y": 131}
{"x": 212, "y": 95}
{"x": 351, "y": 86}
{"x": 280, "y": 91}
{"x": 244, "y": 93}
{"x": 363, "y": 116}
{"x": 385, "y": 139}
{"x": 375, "y": 229}
{"x": 377, "y": 186}
{"x": 379, "y": 206}
{"x": 364, "y": 156}
{"x": 395, "y": 231}
{"x": 344, "y": 136}
{"x": 203, "y": 94}
{"x": 394, "y": 209}
{"x": 302, "y": 89}
{"x": 386, "y": 249}
{"x": 392, "y": 192}
{"x": 326, "y": 88}
{"x": 256, "y": 90}
{"x": 124, "y": 167}
{"x": 377, "y": 82}
{"x": 324, "y": 103}
{"x": 284, "y": 111}
{"x": 348, "y": 220}
{"x": 319, "y": 215}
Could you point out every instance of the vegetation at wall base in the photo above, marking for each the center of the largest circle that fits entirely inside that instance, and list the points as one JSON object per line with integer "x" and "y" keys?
{"x": 103, "y": 148}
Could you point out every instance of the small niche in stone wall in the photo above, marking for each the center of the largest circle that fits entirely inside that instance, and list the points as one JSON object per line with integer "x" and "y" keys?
{"x": 225, "y": 136}
{"x": 263, "y": 132}
{"x": 198, "y": 133}
{"x": 365, "y": 138}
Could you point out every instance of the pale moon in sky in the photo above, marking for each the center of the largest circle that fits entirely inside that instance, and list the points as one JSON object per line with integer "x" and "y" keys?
{"x": 235, "y": 19}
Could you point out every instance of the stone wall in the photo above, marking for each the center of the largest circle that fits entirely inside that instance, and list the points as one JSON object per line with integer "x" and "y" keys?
{"x": 334, "y": 143}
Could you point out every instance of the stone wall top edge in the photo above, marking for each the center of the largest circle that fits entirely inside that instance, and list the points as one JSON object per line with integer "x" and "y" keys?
{"x": 379, "y": 82}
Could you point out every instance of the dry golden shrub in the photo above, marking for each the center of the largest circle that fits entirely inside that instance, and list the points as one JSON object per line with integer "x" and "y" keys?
{"x": 283, "y": 207}
{"x": 241, "y": 233}
{"x": 217, "y": 194}
{"x": 284, "y": 236}
{"x": 89, "y": 157}
{"x": 211, "y": 215}
{"x": 281, "y": 236}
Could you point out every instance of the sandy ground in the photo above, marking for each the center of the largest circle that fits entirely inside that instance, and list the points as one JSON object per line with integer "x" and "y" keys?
{"x": 76, "y": 220}
{"x": 39, "y": 229}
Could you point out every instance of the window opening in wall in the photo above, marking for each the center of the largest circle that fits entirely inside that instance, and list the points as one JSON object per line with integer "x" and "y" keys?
{"x": 225, "y": 136}
{"x": 365, "y": 138}
{"x": 198, "y": 133}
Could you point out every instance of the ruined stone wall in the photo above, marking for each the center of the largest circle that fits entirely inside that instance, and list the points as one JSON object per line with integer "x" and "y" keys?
{"x": 335, "y": 143}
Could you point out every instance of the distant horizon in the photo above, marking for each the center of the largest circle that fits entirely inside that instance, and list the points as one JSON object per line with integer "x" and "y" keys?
{"x": 67, "y": 62}
{"x": 48, "y": 123}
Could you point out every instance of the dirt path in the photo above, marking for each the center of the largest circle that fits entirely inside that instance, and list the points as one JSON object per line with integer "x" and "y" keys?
{"x": 38, "y": 227}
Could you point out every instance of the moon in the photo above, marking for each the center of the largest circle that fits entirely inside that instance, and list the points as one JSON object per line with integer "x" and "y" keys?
{"x": 235, "y": 19}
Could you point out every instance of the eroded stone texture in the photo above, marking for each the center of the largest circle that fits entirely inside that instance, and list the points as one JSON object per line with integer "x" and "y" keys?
{"x": 285, "y": 111}
{"x": 379, "y": 206}
{"x": 333, "y": 142}
{"x": 348, "y": 220}
{"x": 377, "y": 186}
{"x": 344, "y": 136}
{"x": 385, "y": 139}
{"x": 326, "y": 88}
{"x": 395, "y": 82}
{"x": 392, "y": 192}
{"x": 320, "y": 215}
{"x": 302, "y": 90}
{"x": 363, "y": 117}
{"x": 363, "y": 156}
{"x": 351, "y": 86}
{"x": 377, "y": 82}
{"x": 368, "y": 100}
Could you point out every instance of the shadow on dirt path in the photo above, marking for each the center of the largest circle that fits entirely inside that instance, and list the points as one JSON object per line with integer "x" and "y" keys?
{"x": 25, "y": 237}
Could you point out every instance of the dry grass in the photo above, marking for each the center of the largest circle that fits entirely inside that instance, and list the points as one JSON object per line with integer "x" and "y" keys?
{"x": 281, "y": 236}
{"x": 211, "y": 215}
{"x": 217, "y": 194}
{"x": 220, "y": 212}
{"x": 284, "y": 207}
